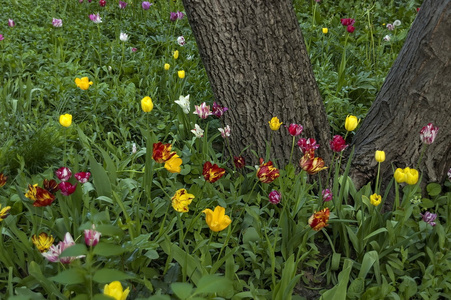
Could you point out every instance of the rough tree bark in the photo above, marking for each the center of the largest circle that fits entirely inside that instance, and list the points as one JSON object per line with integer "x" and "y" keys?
{"x": 257, "y": 64}
{"x": 416, "y": 91}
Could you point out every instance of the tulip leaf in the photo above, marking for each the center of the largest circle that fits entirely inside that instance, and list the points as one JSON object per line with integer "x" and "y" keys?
{"x": 371, "y": 259}
{"x": 380, "y": 230}
{"x": 50, "y": 287}
{"x": 338, "y": 292}
{"x": 109, "y": 275}
{"x": 100, "y": 178}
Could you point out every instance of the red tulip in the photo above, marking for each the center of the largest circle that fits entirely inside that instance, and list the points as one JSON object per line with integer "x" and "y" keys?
{"x": 211, "y": 172}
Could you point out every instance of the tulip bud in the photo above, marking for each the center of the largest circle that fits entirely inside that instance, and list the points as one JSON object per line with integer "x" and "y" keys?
{"x": 92, "y": 236}
{"x": 66, "y": 120}
{"x": 181, "y": 74}
{"x": 351, "y": 123}
{"x": 375, "y": 199}
{"x": 275, "y": 197}
{"x": 146, "y": 104}
{"x": 274, "y": 124}
{"x": 379, "y": 156}
{"x": 115, "y": 290}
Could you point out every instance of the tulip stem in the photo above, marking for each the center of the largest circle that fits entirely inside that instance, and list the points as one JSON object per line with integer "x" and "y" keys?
{"x": 292, "y": 149}
{"x": 226, "y": 241}
{"x": 230, "y": 153}
{"x": 396, "y": 196}
{"x": 268, "y": 151}
{"x": 100, "y": 43}
{"x": 423, "y": 149}
{"x": 122, "y": 58}
{"x": 65, "y": 146}
{"x": 376, "y": 189}
{"x": 328, "y": 238}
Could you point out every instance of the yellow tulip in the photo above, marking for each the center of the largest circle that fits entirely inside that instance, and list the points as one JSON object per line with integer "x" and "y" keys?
{"x": 173, "y": 164}
{"x": 217, "y": 220}
{"x": 116, "y": 291}
{"x": 351, "y": 122}
{"x": 176, "y": 54}
{"x": 399, "y": 175}
{"x": 375, "y": 199}
{"x": 411, "y": 176}
{"x": 146, "y": 104}
{"x": 181, "y": 200}
{"x": 42, "y": 241}
{"x": 181, "y": 74}
{"x": 325, "y": 30}
{"x": 407, "y": 175}
{"x": 167, "y": 66}
{"x": 83, "y": 83}
{"x": 4, "y": 212}
{"x": 66, "y": 120}
{"x": 275, "y": 124}
{"x": 379, "y": 156}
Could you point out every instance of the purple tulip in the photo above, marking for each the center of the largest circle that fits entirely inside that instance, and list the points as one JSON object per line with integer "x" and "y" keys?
{"x": 146, "y": 5}
{"x": 92, "y": 236}
{"x": 327, "y": 195}
{"x": 57, "y": 22}
{"x": 429, "y": 218}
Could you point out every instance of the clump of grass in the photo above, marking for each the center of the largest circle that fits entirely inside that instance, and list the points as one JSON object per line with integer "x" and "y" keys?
{"x": 34, "y": 150}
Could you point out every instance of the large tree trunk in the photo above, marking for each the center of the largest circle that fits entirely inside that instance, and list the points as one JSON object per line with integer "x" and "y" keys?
{"x": 417, "y": 91}
{"x": 257, "y": 63}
